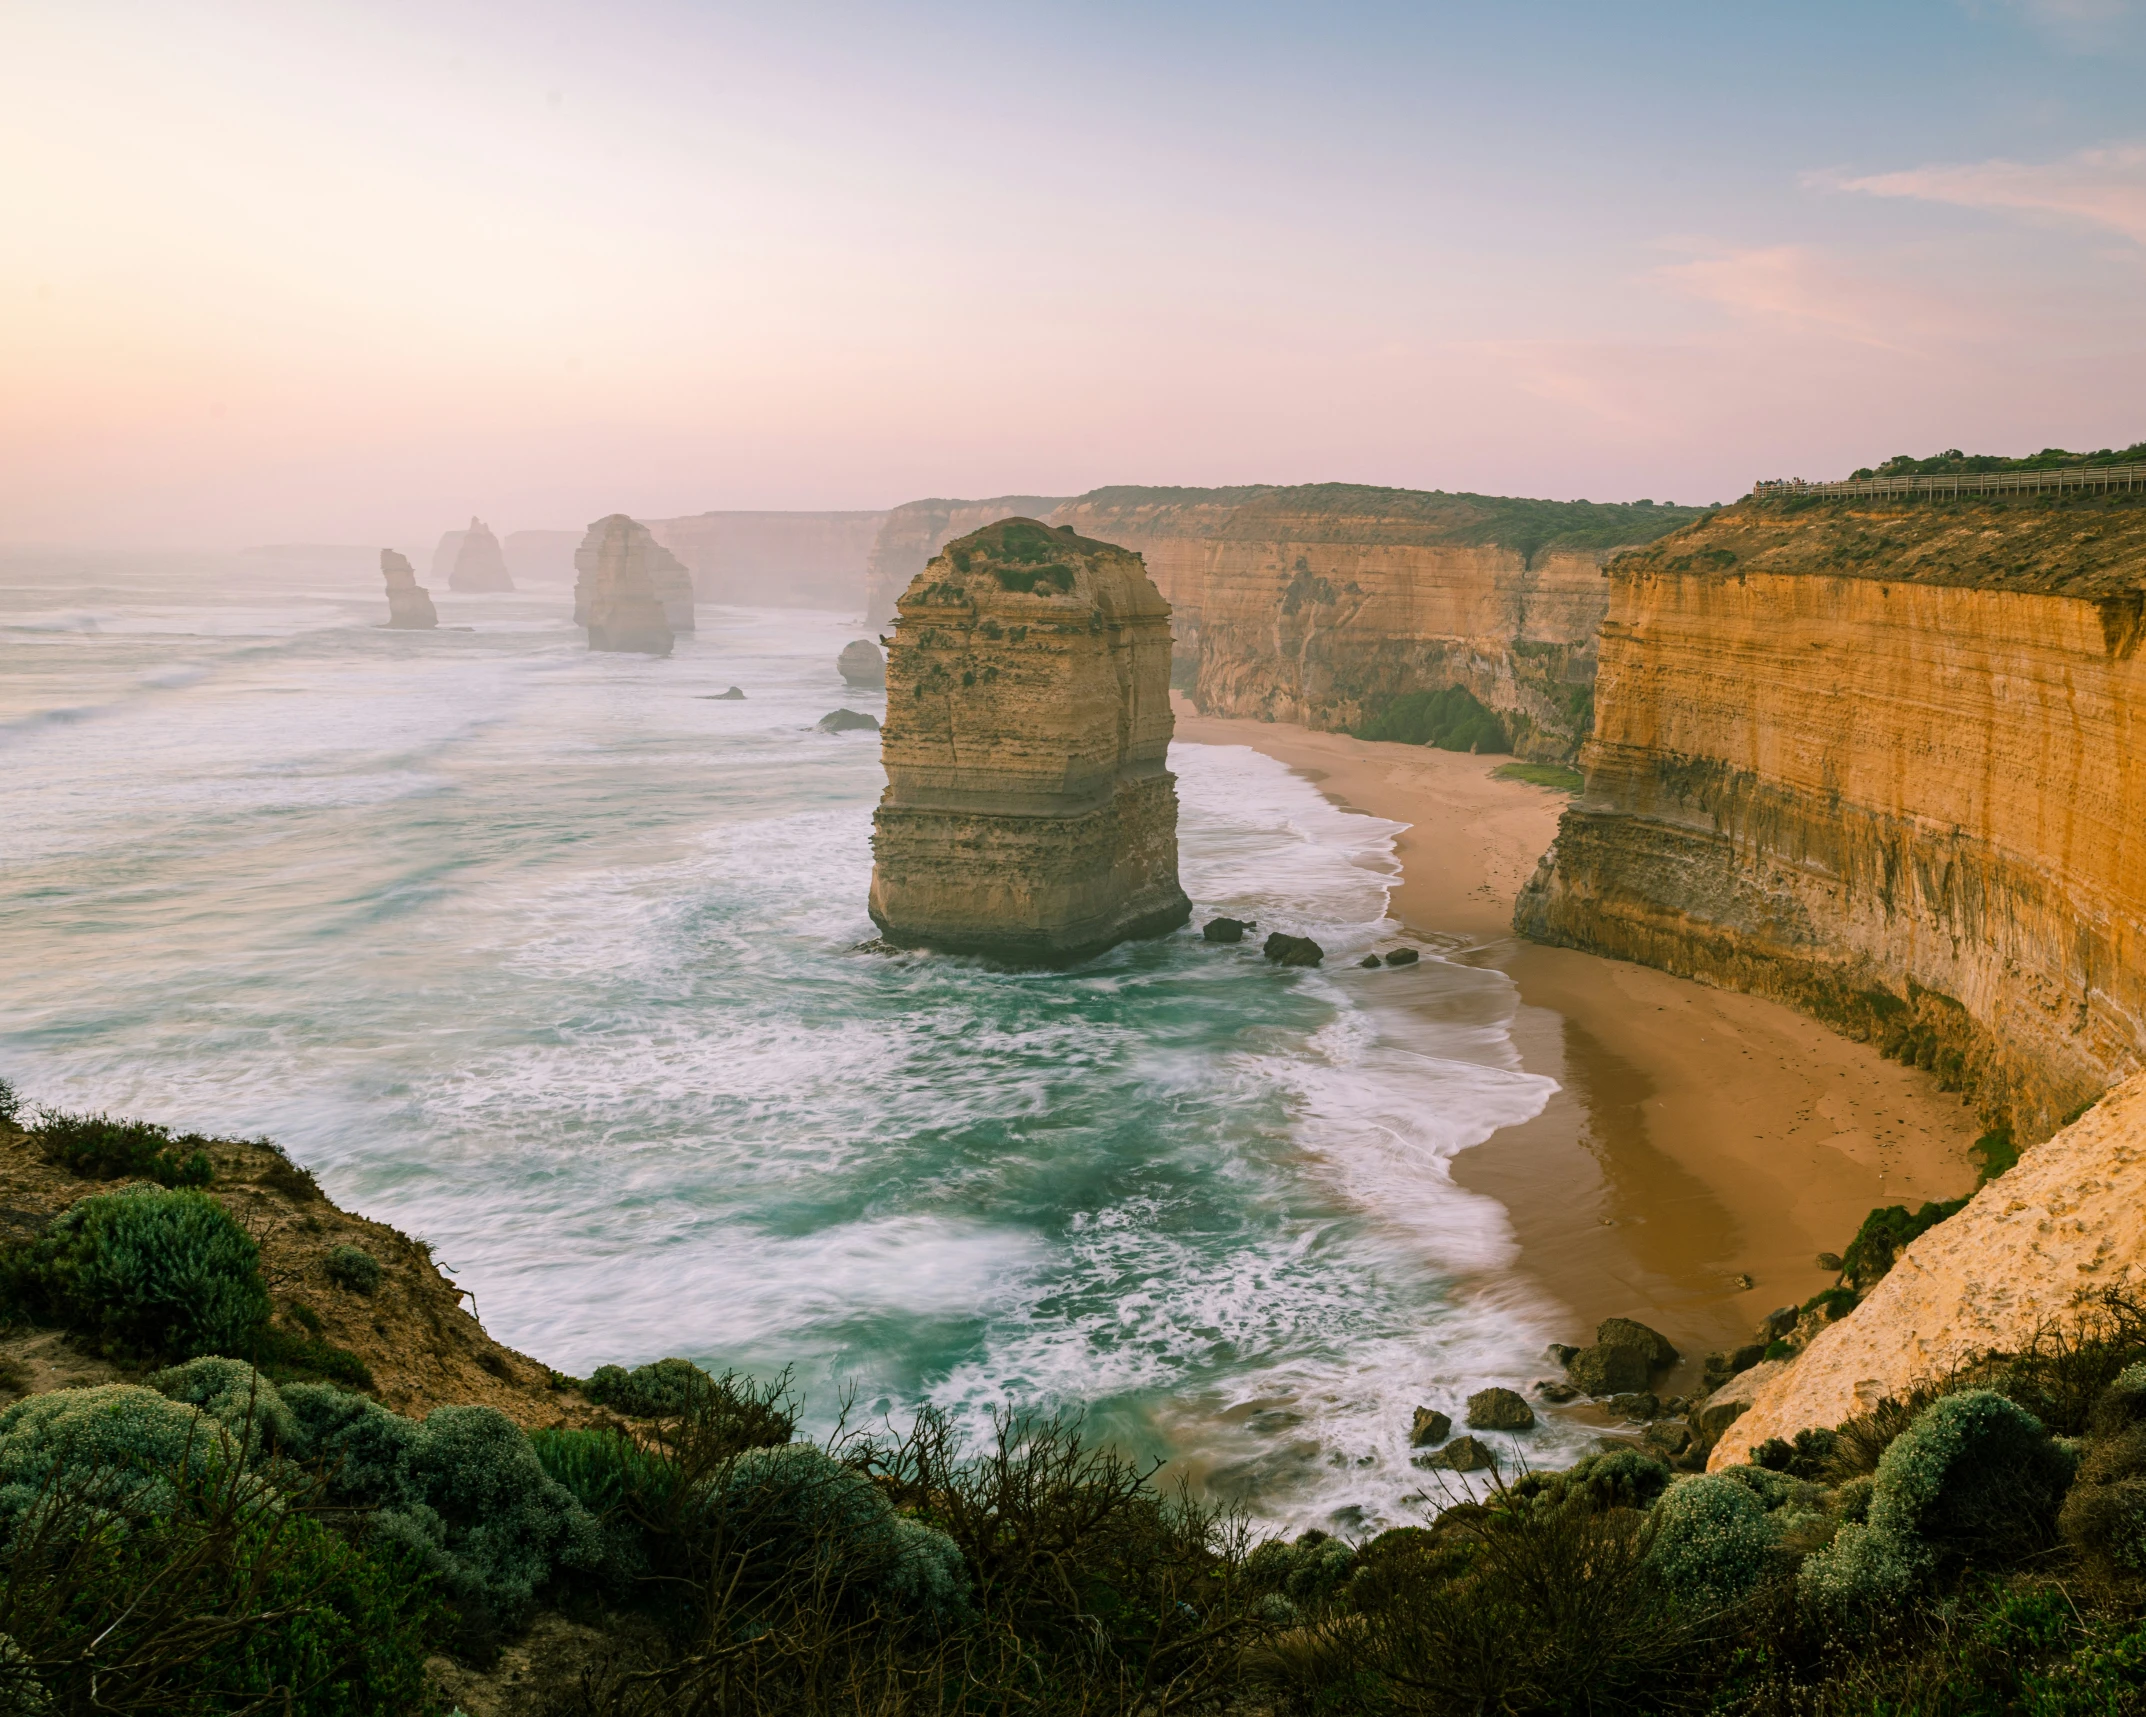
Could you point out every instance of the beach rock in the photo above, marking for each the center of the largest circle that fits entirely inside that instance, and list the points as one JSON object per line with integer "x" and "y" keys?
{"x": 1638, "y": 1407}
{"x": 1778, "y": 1322}
{"x": 847, "y": 721}
{"x": 1608, "y": 1370}
{"x": 1462, "y": 1455}
{"x": 1403, "y": 957}
{"x": 1561, "y": 1351}
{"x": 1745, "y": 1357}
{"x": 640, "y": 558}
{"x": 1734, "y": 1398}
{"x": 1831, "y": 1261}
{"x": 861, "y": 664}
{"x": 1558, "y": 1392}
{"x": 731, "y": 696}
{"x": 409, "y": 606}
{"x": 479, "y": 564}
{"x": 1668, "y": 1436}
{"x": 1029, "y": 812}
{"x": 614, "y": 596}
{"x": 1228, "y": 929}
{"x": 1625, "y": 1332}
{"x": 1428, "y": 1427}
{"x": 1499, "y": 1410}
{"x": 1293, "y": 950}
{"x": 1370, "y": 962}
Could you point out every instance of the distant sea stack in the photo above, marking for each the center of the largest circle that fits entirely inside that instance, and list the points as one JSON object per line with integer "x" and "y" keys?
{"x": 479, "y": 563}
{"x": 1028, "y": 814}
{"x": 861, "y": 664}
{"x": 615, "y": 596}
{"x": 409, "y": 606}
{"x": 666, "y": 576}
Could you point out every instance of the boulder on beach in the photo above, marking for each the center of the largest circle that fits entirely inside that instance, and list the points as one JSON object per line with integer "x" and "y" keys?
{"x": 409, "y": 605}
{"x": 1228, "y": 929}
{"x": 1626, "y": 1332}
{"x": 1370, "y": 962}
{"x": 1499, "y": 1410}
{"x": 861, "y": 664}
{"x": 1403, "y": 957}
{"x": 1608, "y": 1370}
{"x": 1429, "y": 1426}
{"x": 1462, "y": 1455}
{"x": 1293, "y": 950}
{"x": 1639, "y": 1406}
{"x": 847, "y": 721}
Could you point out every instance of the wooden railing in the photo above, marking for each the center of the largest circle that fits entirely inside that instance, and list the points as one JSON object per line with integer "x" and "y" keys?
{"x": 2054, "y": 479}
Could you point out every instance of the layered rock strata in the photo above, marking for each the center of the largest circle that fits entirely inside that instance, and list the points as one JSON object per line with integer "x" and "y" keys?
{"x": 479, "y": 563}
{"x": 2065, "y": 1221}
{"x": 409, "y": 605}
{"x": 1887, "y": 762}
{"x": 667, "y": 579}
{"x": 1321, "y": 604}
{"x": 615, "y": 596}
{"x": 1029, "y": 814}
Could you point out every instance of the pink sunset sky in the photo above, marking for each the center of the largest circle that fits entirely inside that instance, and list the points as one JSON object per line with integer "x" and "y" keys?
{"x": 349, "y": 273}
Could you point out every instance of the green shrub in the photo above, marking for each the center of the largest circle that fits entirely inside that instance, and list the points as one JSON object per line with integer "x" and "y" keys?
{"x": 1614, "y": 1478}
{"x": 235, "y": 1395}
{"x": 292, "y": 1356}
{"x": 2104, "y": 1516}
{"x": 354, "y": 1268}
{"x": 1712, "y": 1541}
{"x": 10, "y": 1109}
{"x": 108, "y": 1147}
{"x": 1974, "y": 1475}
{"x": 1308, "y": 1573}
{"x": 1885, "y": 1234}
{"x": 1451, "y": 718}
{"x": 746, "y": 1414}
{"x": 151, "y": 1272}
{"x": 132, "y": 1446}
{"x": 1997, "y": 1151}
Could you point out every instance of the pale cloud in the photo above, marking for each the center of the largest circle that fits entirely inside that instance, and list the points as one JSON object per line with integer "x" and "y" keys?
{"x": 2105, "y": 187}
{"x": 1813, "y": 291}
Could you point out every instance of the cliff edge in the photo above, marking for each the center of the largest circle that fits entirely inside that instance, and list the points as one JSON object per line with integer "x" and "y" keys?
{"x": 1028, "y": 813}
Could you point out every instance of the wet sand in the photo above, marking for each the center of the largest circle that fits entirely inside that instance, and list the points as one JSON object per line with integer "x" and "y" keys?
{"x": 1701, "y": 1140}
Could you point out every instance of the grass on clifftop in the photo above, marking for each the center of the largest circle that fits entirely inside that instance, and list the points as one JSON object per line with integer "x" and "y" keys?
{"x": 1555, "y": 775}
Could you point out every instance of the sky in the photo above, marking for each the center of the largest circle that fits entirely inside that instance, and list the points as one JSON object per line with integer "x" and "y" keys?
{"x": 299, "y": 270}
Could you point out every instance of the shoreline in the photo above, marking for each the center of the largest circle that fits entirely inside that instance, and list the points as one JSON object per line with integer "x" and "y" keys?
{"x": 1704, "y": 1146}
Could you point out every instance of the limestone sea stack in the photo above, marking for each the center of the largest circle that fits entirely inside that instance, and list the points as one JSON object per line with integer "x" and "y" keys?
{"x": 409, "y": 605}
{"x": 479, "y": 562}
{"x": 861, "y": 664}
{"x": 614, "y": 597}
{"x": 1028, "y": 814}
{"x": 665, "y": 573}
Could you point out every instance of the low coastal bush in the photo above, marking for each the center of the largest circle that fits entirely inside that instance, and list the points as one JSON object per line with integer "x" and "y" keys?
{"x": 1712, "y": 1542}
{"x": 107, "y": 1147}
{"x": 352, "y": 1268}
{"x": 744, "y": 1414}
{"x": 1451, "y": 718}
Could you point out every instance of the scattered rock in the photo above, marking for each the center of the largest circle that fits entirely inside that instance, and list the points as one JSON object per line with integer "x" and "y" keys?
{"x": 1429, "y": 1427}
{"x": 1370, "y": 962}
{"x": 1499, "y": 1410}
{"x": 1462, "y": 1455}
{"x": 1777, "y": 1323}
{"x": 1668, "y": 1436}
{"x": 1228, "y": 929}
{"x": 1562, "y": 1352}
{"x": 731, "y": 696}
{"x": 1293, "y": 950}
{"x": 409, "y": 605}
{"x": 1831, "y": 1261}
{"x": 1608, "y": 1370}
{"x": 1559, "y": 1392}
{"x": 1638, "y": 1407}
{"x": 1403, "y": 957}
{"x": 1730, "y": 1402}
{"x": 1745, "y": 1357}
{"x": 861, "y": 664}
{"x": 847, "y": 721}
{"x": 1626, "y": 1332}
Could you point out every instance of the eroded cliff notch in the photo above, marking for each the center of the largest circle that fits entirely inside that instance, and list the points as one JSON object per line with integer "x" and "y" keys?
{"x": 409, "y": 604}
{"x": 615, "y": 593}
{"x": 1029, "y": 813}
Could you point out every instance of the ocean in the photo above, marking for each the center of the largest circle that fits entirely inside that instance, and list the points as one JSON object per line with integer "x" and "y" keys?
{"x": 553, "y": 959}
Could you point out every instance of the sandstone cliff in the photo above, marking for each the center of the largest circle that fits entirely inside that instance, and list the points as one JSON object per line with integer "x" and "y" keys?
{"x": 2066, "y": 1220}
{"x": 479, "y": 564}
{"x": 776, "y": 560}
{"x": 915, "y": 531}
{"x": 616, "y": 595}
{"x": 408, "y": 606}
{"x": 1322, "y": 603}
{"x": 1028, "y": 814}
{"x": 1886, "y": 761}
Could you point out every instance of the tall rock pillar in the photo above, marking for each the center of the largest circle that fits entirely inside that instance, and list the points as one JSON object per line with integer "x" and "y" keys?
{"x": 409, "y": 604}
{"x": 1029, "y": 813}
{"x": 614, "y": 596}
{"x": 479, "y": 563}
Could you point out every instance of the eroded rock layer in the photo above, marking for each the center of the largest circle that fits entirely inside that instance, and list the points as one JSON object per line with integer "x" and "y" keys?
{"x": 1029, "y": 814}
{"x": 912, "y": 533}
{"x": 1886, "y": 762}
{"x": 479, "y": 562}
{"x": 409, "y": 606}
{"x": 1321, "y": 604}
{"x": 616, "y": 595}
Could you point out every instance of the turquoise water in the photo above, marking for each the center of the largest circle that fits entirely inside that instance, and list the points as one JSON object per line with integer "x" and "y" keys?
{"x": 548, "y": 958}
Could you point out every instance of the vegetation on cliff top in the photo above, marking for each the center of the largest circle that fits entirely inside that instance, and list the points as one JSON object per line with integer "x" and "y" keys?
{"x": 1953, "y": 463}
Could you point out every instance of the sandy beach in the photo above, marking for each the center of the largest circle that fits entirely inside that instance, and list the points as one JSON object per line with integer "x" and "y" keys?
{"x": 1704, "y": 1147}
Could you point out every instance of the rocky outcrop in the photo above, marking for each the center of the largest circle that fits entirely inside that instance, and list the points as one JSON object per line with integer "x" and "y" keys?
{"x": 1322, "y": 604}
{"x": 776, "y": 560}
{"x": 1885, "y": 761}
{"x": 1028, "y": 814}
{"x": 615, "y": 596}
{"x": 2064, "y": 1221}
{"x": 648, "y": 560}
{"x": 479, "y": 563}
{"x": 409, "y": 606}
{"x": 912, "y": 533}
{"x": 861, "y": 664}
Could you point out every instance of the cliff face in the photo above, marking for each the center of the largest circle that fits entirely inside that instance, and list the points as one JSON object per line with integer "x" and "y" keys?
{"x": 408, "y": 607}
{"x": 1028, "y": 814}
{"x": 777, "y": 560}
{"x": 2063, "y": 1222}
{"x": 479, "y": 564}
{"x": 1886, "y": 761}
{"x": 1320, "y": 604}
{"x": 616, "y": 595}
{"x": 915, "y": 531}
